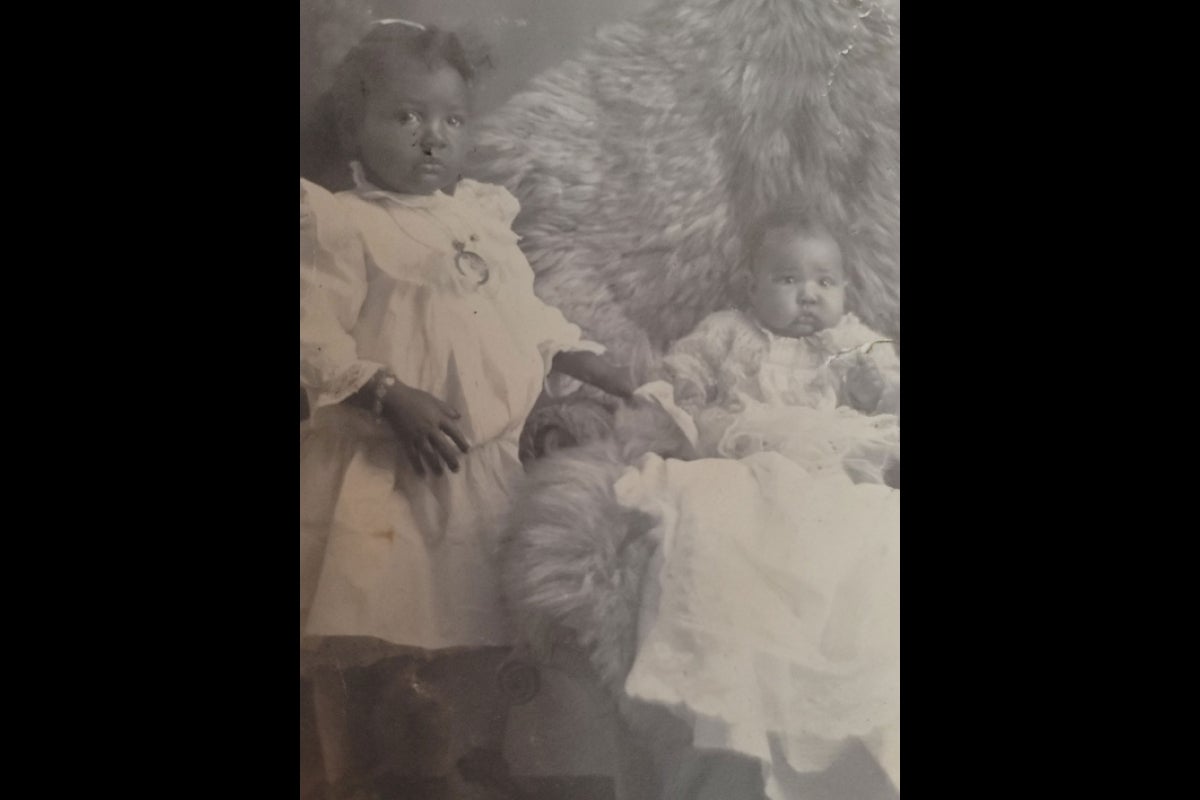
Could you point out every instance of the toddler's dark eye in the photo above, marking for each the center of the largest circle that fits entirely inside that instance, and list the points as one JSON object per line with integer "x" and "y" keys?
{"x": 455, "y": 121}
{"x": 407, "y": 117}
{"x": 827, "y": 282}
{"x": 787, "y": 280}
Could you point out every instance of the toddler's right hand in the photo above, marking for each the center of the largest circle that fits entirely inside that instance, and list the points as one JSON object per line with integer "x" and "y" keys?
{"x": 425, "y": 427}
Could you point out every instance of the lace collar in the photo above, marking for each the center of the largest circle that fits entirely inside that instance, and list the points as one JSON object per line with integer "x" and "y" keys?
{"x": 369, "y": 191}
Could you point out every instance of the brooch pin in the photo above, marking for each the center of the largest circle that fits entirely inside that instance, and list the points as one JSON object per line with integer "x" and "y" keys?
{"x": 470, "y": 264}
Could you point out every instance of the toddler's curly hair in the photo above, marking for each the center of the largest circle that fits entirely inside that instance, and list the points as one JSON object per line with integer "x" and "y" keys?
{"x": 387, "y": 46}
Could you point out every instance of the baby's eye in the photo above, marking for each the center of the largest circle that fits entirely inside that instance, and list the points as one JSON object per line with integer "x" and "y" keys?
{"x": 455, "y": 121}
{"x": 787, "y": 280}
{"x": 828, "y": 282}
{"x": 407, "y": 117}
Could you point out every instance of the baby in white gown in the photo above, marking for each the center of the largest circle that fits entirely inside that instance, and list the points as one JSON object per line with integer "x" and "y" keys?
{"x": 770, "y": 613}
{"x": 793, "y": 373}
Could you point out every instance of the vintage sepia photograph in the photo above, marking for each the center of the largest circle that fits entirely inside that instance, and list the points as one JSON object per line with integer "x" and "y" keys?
{"x": 599, "y": 400}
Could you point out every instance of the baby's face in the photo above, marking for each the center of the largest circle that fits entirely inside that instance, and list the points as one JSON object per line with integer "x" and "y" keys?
{"x": 413, "y": 136}
{"x": 797, "y": 283}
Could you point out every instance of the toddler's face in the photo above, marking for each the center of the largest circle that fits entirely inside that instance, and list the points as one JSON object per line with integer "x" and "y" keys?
{"x": 413, "y": 136}
{"x": 797, "y": 283}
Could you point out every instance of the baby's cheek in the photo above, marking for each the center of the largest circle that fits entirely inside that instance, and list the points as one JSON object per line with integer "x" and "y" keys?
{"x": 782, "y": 305}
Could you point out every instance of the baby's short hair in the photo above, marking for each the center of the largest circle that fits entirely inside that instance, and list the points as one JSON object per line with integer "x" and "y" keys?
{"x": 795, "y": 215}
{"x": 380, "y": 48}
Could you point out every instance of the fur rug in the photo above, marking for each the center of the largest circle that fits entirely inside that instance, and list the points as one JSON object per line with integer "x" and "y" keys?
{"x": 572, "y": 558}
{"x": 639, "y": 164}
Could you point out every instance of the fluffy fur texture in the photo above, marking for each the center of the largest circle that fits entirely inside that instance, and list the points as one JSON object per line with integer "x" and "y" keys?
{"x": 641, "y": 166}
{"x": 573, "y": 559}
{"x": 640, "y": 163}
{"x": 567, "y": 577}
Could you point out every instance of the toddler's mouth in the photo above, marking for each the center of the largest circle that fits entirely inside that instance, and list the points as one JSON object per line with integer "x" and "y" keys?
{"x": 804, "y": 326}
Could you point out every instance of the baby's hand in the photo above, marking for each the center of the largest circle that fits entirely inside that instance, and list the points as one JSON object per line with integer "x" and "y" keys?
{"x": 425, "y": 428}
{"x": 864, "y": 384}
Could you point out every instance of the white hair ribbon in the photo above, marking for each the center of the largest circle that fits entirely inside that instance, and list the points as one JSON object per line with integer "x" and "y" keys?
{"x": 409, "y": 23}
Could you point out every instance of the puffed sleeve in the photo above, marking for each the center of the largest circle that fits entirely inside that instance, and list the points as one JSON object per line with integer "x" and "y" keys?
{"x": 692, "y": 363}
{"x": 496, "y": 202}
{"x": 557, "y": 335}
{"x": 333, "y": 285}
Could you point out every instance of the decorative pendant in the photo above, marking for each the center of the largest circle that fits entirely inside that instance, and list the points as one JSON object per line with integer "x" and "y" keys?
{"x": 469, "y": 264}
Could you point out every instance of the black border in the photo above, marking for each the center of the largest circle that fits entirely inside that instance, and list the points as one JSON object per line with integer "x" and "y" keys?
{"x": 216, "y": 657}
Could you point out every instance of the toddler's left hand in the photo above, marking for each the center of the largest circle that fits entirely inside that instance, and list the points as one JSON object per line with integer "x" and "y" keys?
{"x": 590, "y": 368}
{"x": 864, "y": 384}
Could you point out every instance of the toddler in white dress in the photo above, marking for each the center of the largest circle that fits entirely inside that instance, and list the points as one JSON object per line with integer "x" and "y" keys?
{"x": 423, "y": 348}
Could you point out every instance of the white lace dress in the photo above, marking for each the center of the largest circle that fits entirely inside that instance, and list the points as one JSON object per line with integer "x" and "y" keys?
{"x": 771, "y": 609}
{"x": 385, "y": 555}
{"x": 751, "y": 391}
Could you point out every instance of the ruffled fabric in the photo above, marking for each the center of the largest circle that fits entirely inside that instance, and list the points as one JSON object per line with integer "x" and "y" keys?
{"x": 819, "y": 441}
{"x": 770, "y": 612}
{"x": 729, "y": 355}
{"x": 386, "y": 554}
{"x": 751, "y": 391}
{"x": 332, "y": 289}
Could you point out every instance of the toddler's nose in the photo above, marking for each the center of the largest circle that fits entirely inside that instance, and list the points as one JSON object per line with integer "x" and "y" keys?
{"x": 432, "y": 137}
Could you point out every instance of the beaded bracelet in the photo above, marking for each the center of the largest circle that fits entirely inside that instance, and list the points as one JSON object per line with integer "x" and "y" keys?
{"x": 383, "y": 382}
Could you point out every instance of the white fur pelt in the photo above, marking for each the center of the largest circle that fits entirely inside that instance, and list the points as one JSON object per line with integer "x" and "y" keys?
{"x": 639, "y": 163}
{"x": 572, "y": 558}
